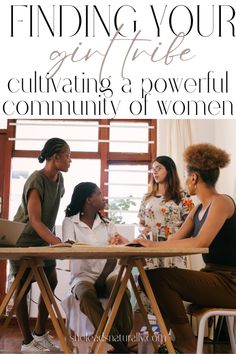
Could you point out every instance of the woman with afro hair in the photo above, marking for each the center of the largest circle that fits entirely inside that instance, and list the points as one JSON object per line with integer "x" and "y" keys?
{"x": 212, "y": 224}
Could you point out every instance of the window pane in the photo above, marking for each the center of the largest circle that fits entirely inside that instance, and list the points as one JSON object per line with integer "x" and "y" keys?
{"x": 85, "y": 134}
{"x": 3, "y": 123}
{"x": 127, "y": 185}
{"x": 131, "y": 137}
{"x": 80, "y": 171}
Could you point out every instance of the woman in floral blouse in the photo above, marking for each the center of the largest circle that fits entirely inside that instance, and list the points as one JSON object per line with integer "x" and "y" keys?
{"x": 163, "y": 209}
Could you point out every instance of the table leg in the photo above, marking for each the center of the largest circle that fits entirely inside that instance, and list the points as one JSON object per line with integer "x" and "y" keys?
{"x": 13, "y": 287}
{"x": 115, "y": 306}
{"x": 108, "y": 307}
{"x": 54, "y": 304}
{"x": 49, "y": 300}
{"x": 143, "y": 311}
{"x": 16, "y": 282}
{"x": 17, "y": 301}
{"x": 154, "y": 305}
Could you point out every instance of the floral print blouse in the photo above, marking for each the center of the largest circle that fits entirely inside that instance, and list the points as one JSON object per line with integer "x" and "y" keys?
{"x": 164, "y": 219}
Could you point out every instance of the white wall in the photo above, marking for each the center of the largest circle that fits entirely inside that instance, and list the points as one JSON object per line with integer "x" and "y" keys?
{"x": 221, "y": 133}
{"x": 225, "y": 137}
{"x": 218, "y": 132}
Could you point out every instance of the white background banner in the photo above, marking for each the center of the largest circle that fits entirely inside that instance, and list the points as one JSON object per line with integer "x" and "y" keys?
{"x": 136, "y": 59}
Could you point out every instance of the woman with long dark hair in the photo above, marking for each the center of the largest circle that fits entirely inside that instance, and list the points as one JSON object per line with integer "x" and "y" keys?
{"x": 164, "y": 208}
{"x": 162, "y": 211}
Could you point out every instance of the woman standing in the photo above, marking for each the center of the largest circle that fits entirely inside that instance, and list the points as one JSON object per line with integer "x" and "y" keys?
{"x": 38, "y": 209}
{"x": 164, "y": 208}
{"x": 162, "y": 211}
{"x": 211, "y": 224}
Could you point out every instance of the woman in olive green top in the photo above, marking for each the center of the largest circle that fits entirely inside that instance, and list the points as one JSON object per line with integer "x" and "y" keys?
{"x": 38, "y": 209}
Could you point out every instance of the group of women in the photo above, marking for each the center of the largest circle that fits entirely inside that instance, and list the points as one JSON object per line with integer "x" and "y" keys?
{"x": 166, "y": 214}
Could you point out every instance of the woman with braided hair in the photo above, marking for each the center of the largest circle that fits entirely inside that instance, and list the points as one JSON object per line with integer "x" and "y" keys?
{"x": 210, "y": 224}
{"x": 38, "y": 210}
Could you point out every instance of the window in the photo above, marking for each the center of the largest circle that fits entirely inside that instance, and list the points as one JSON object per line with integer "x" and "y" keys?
{"x": 127, "y": 184}
{"x": 126, "y": 137}
{"x": 29, "y": 134}
{"x": 114, "y": 154}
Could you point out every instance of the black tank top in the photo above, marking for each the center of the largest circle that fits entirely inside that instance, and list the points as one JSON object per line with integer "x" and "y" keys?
{"x": 223, "y": 248}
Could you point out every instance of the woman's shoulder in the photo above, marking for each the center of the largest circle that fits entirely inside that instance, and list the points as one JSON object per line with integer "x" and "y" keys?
{"x": 185, "y": 200}
{"x": 68, "y": 226}
{"x": 71, "y": 219}
{"x": 35, "y": 175}
{"x": 67, "y": 220}
{"x": 223, "y": 199}
{"x": 35, "y": 179}
{"x": 217, "y": 198}
{"x": 223, "y": 204}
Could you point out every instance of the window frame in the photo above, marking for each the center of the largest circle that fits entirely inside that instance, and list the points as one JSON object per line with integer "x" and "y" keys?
{"x": 106, "y": 157}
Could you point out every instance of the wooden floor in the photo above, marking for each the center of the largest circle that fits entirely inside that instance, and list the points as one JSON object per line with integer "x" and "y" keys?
{"x": 11, "y": 343}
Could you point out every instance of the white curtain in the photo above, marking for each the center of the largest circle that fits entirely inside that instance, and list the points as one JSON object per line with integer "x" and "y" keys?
{"x": 178, "y": 138}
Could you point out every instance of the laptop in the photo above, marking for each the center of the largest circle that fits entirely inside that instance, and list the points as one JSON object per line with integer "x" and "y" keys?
{"x": 10, "y": 232}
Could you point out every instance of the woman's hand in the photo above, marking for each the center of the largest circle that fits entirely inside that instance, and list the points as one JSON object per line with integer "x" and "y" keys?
{"x": 56, "y": 240}
{"x": 145, "y": 243}
{"x": 118, "y": 239}
{"x": 144, "y": 230}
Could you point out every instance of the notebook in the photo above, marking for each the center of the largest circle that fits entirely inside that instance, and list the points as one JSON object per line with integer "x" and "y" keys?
{"x": 10, "y": 232}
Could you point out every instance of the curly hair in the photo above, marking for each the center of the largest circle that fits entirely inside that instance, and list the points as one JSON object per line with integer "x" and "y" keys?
{"x": 206, "y": 160}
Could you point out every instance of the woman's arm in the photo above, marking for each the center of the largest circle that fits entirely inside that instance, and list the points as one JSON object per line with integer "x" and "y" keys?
{"x": 35, "y": 212}
{"x": 68, "y": 233}
{"x": 143, "y": 229}
{"x": 183, "y": 232}
{"x": 222, "y": 208}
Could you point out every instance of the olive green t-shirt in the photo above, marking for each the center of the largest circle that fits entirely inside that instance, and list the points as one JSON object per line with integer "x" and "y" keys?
{"x": 50, "y": 193}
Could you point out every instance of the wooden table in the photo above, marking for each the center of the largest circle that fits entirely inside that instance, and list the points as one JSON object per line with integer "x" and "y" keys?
{"x": 31, "y": 257}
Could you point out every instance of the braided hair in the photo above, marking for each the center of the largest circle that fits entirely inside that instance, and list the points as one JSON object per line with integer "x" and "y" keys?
{"x": 51, "y": 147}
{"x": 81, "y": 192}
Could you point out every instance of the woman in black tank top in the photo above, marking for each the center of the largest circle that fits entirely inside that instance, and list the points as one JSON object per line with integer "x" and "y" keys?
{"x": 211, "y": 224}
